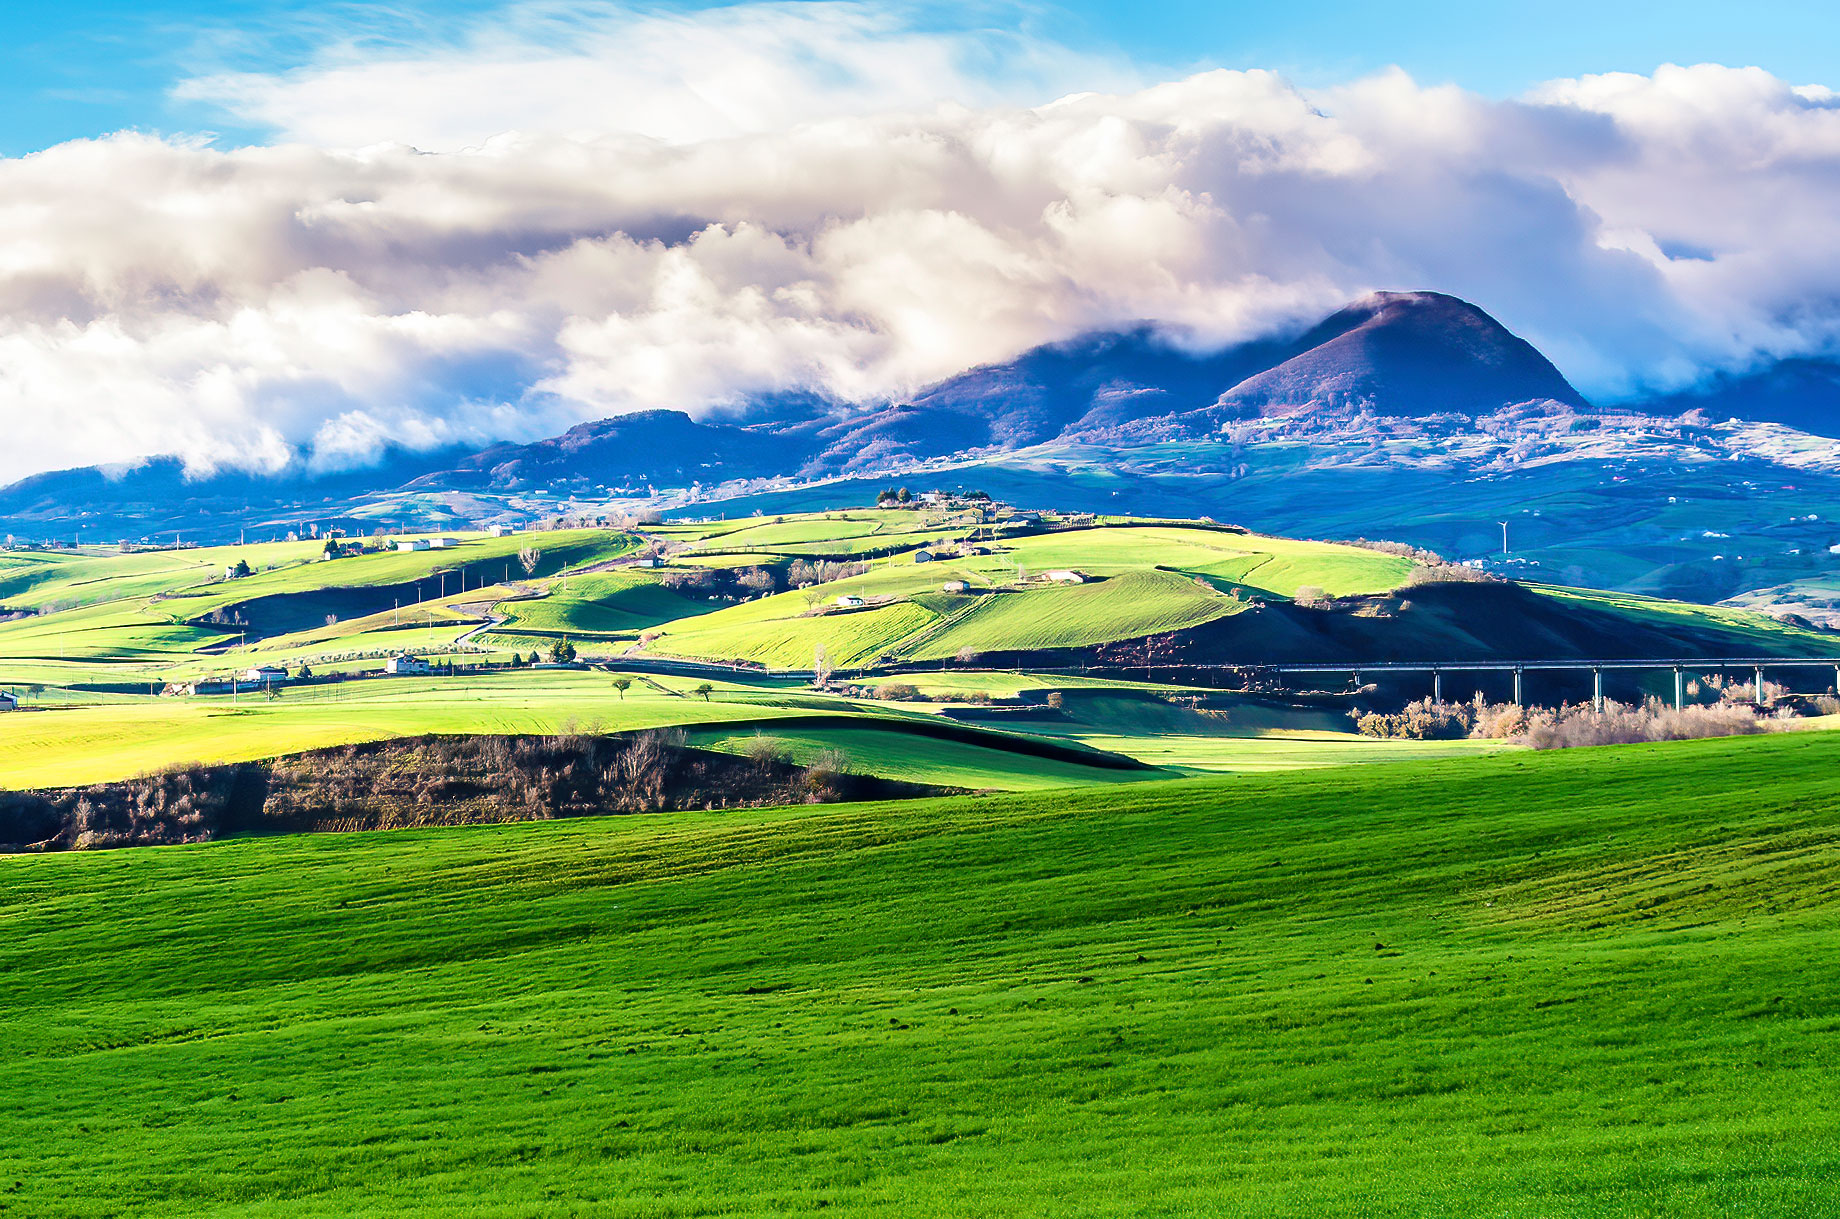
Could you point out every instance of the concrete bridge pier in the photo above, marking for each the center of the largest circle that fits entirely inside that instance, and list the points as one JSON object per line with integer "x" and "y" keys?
{"x": 1437, "y": 687}
{"x": 1680, "y": 688}
{"x": 1517, "y": 687}
{"x": 1758, "y": 687}
{"x": 1597, "y": 690}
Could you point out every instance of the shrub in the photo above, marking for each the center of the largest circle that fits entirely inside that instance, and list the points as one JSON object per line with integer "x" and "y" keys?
{"x": 764, "y": 751}
{"x": 1423, "y": 720}
{"x": 1446, "y": 573}
{"x": 1622, "y": 724}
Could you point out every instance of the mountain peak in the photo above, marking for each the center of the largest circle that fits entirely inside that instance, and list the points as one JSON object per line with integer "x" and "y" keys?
{"x": 1405, "y": 353}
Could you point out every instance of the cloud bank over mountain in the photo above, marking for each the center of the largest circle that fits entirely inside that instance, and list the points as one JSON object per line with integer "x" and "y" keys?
{"x": 755, "y": 209}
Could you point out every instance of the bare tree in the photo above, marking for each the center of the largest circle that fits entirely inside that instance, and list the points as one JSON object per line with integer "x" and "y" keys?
{"x": 528, "y": 558}
{"x": 820, "y": 667}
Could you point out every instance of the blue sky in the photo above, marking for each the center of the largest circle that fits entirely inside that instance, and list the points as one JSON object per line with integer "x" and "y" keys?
{"x": 86, "y": 67}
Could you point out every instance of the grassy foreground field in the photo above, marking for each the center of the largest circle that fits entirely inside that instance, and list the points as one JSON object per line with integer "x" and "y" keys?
{"x": 1596, "y": 982}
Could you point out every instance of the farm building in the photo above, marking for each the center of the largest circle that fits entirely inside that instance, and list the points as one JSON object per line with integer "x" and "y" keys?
{"x": 501, "y": 531}
{"x": 923, "y": 556}
{"x": 406, "y": 665}
{"x": 443, "y": 543}
{"x": 1064, "y": 576}
{"x": 850, "y": 601}
{"x": 955, "y": 586}
{"x": 650, "y": 561}
{"x": 9, "y": 702}
{"x": 267, "y": 675}
{"x": 408, "y": 544}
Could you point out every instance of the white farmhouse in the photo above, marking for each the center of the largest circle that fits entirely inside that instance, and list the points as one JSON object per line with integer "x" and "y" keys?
{"x": 1064, "y": 576}
{"x": 850, "y": 601}
{"x": 266, "y": 675}
{"x": 501, "y": 531}
{"x": 408, "y": 544}
{"x": 406, "y": 665}
{"x": 956, "y": 586}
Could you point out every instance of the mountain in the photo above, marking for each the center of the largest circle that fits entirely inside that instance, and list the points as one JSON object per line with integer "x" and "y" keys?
{"x": 647, "y": 448}
{"x": 1407, "y": 354}
{"x": 1801, "y": 393}
{"x": 1404, "y": 354}
{"x": 162, "y": 494}
{"x": 1092, "y": 382}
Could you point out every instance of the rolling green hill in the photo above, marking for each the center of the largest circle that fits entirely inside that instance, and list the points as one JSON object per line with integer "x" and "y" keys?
{"x": 1584, "y": 983}
{"x": 96, "y": 634}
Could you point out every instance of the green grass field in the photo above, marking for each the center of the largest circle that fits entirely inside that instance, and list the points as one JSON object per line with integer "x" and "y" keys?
{"x": 114, "y": 741}
{"x": 885, "y": 750}
{"x": 1127, "y": 606}
{"x": 1589, "y": 983}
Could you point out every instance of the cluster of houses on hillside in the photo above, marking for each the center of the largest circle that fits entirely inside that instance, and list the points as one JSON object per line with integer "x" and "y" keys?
{"x": 262, "y": 678}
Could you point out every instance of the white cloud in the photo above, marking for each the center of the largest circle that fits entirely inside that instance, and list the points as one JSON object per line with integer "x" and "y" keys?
{"x": 589, "y": 67}
{"x": 335, "y": 292}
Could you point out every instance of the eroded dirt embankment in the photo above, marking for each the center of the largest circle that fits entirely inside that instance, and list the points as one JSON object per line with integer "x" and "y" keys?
{"x": 432, "y": 780}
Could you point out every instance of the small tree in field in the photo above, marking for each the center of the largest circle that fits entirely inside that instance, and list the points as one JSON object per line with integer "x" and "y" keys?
{"x": 622, "y": 684}
{"x": 704, "y": 689}
{"x": 820, "y": 667}
{"x": 528, "y": 558}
